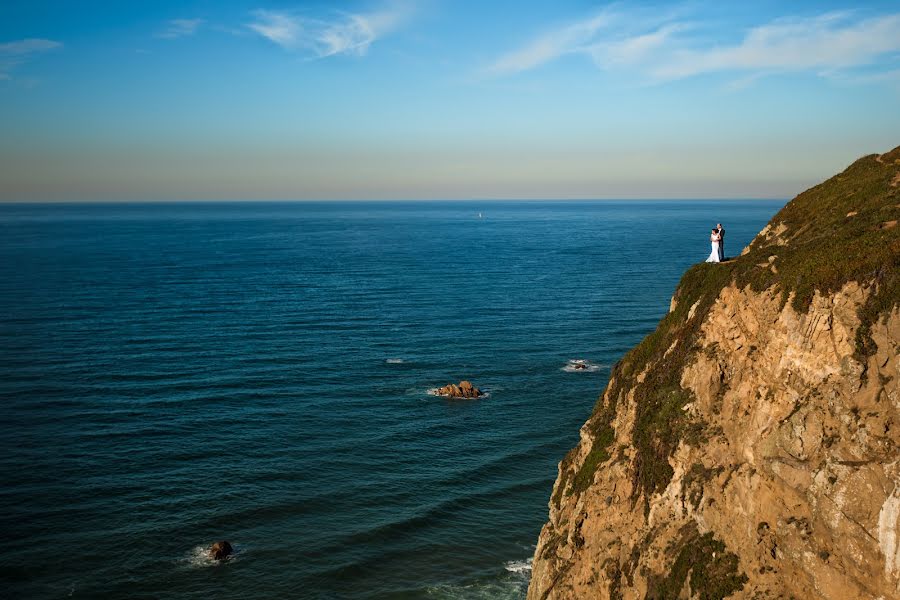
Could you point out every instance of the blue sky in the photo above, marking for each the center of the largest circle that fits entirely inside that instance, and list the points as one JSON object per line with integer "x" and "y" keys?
{"x": 434, "y": 99}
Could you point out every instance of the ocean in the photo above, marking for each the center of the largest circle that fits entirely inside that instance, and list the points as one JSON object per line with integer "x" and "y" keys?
{"x": 177, "y": 374}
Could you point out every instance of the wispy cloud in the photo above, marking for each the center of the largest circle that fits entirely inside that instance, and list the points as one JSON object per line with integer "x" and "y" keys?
{"x": 177, "y": 28}
{"x": 674, "y": 48}
{"x": 570, "y": 39}
{"x": 832, "y": 41}
{"x": 636, "y": 49}
{"x": 866, "y": 77}
{"x": 14, "y": 54}
{"x": 283, "y": 29}
{"x": 346, "y": 33}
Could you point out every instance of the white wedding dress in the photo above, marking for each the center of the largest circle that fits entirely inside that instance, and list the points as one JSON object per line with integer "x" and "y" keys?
{"x": 714, "y": 255}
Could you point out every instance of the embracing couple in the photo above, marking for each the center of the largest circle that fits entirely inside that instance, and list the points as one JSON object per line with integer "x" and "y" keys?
{"x": 717, "y": 237}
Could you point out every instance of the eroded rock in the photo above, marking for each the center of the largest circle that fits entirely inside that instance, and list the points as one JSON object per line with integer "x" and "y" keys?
{"x": 464, "y": 389}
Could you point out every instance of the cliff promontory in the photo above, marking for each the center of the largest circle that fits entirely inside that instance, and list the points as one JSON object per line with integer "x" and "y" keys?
{"x": 750, "y": 446}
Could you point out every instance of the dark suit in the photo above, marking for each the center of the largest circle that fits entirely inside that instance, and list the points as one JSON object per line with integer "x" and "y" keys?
{"x": 722, "y": 244}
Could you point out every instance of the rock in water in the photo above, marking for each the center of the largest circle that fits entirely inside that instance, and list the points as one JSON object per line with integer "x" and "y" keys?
{"x": 465, "y": 389}
{"x": 220, "y": 550}
{"x": 750, "y": 447}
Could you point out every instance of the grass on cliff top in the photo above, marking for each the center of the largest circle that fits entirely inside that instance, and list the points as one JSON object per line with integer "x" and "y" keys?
{"x": 844, "y": 229}
{"x": 820, "y": 248}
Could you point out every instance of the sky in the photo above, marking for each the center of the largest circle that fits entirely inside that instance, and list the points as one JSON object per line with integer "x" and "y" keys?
{"x": 440, "y": 99}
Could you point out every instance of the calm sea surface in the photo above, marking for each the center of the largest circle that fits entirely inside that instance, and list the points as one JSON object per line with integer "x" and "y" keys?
{"x": 171, "y": 375}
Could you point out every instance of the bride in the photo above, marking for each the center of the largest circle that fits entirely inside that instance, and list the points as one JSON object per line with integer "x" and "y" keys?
{"x": 715, "y": 238}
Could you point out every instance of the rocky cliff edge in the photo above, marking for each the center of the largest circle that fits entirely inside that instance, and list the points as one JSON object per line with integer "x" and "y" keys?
{"x": 749, "y": 447}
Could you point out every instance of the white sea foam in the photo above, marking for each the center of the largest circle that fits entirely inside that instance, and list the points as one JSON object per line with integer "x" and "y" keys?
{"x": 494, "y": 590}
{"x": 395, "y": 361}
{"x": 519, "y": 566}
{"x": 420, "y": 392}
{"x": 199, "y": 557}
{"x": 580, "y": 365}
{"x": 511, "y": 584}
{"x": 434, "y": 392}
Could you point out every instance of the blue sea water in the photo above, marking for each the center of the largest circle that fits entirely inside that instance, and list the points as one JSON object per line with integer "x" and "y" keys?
{"x": 175, "y": 374}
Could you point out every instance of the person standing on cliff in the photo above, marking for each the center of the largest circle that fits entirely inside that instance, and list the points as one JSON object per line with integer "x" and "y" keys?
{"x": 721, "y": 231}
{"x": 714, "y": 255}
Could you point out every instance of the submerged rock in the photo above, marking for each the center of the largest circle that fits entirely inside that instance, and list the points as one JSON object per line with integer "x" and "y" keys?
{"x": 465, "y": 389}
{"x": 576, "y": 365}
{"x": 220, "y": 550}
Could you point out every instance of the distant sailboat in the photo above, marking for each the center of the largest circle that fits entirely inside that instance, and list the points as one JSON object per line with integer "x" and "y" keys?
{"x": 479, "y": 216}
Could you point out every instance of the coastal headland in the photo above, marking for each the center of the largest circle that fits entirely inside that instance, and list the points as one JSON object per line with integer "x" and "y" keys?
{"x": 750, "y": 446}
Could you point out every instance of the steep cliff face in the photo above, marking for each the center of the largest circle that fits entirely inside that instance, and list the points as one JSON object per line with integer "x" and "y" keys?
{"x": 750, "y": 446}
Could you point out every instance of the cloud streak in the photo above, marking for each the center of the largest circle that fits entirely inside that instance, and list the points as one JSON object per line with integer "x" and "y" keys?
{"x": 177, "y": 28}
{"x": 828, "y": 42}
{"x": 14, "y": 54}
{"x": 552, "y": 45}
{"x": 346, "y": 33}
{"x": 668, "y": 49}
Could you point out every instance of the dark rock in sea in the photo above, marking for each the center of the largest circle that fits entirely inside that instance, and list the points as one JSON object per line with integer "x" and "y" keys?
{"x": 465, "y": 389}
{"x": 220, "y": 550}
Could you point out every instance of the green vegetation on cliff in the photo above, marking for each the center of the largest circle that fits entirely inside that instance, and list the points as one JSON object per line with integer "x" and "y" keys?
{"x": 842, "y": 230}
{"x": 713, "y": 571}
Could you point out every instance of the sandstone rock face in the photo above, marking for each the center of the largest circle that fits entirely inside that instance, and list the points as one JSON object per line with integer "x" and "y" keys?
{"x": 465, "y": 389}
{"x": 220, "y": 550}
{"x": 801, "y": 479}
{"x": 775, "y": 472}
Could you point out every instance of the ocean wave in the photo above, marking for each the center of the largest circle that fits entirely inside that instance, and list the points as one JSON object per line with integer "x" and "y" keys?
{"x": 510, "y": 585}
{"x": 519, "y": 566}
{"x": 395, "y": 361}
{"x": 419, "y": 520}
{"x": 488, "y": 590}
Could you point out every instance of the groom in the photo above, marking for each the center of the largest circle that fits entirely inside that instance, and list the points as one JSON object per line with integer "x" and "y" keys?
{"x": 721, "y": 231}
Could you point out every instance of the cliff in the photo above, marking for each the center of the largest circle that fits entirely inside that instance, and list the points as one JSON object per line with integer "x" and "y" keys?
{"x": 750, "y": 446}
